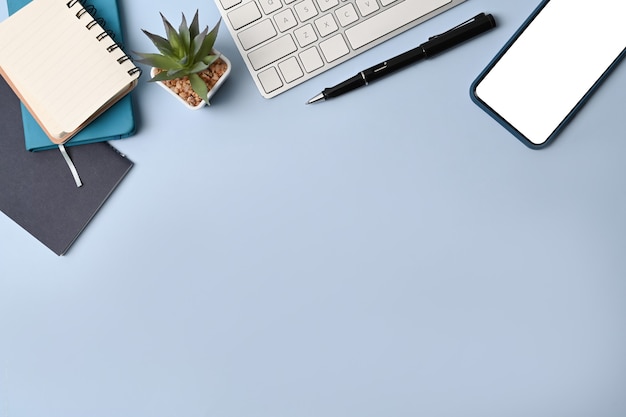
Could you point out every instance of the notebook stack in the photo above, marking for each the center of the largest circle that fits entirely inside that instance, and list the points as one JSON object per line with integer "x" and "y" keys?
{"x": 80, "y": 96}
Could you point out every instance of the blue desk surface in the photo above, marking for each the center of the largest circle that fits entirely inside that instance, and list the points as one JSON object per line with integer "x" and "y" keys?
{"x": 393, "y": 252}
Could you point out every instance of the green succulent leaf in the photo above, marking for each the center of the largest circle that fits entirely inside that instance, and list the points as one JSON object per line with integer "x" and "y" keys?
{"x": 194, "y": 28}
{"x": 158, "y": 61}
{"x": 210, "y": 59}
{"x": 162, "y": 76}
{"x": 161, "y": 43}
{"x": 199, "y": 86}
{"x": 215, "y": 30}
{"x": 173, "y": 38}
{"x": 185, "y": 36}
{"x": 199, "y": 66}
{"x": 207, "y": 43}
{"x": 197, "y": 42}
{"x": 177, "y": 73}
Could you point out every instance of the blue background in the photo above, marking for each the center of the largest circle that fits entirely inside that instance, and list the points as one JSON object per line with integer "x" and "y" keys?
{"x": 393, "y": 252}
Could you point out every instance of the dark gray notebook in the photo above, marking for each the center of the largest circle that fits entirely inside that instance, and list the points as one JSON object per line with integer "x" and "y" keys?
{"x": 37, "y": 190}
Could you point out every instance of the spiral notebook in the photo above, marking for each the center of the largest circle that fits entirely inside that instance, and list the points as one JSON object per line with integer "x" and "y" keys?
{"x": 118, "y": 122}
{"x": 65, "y": 68}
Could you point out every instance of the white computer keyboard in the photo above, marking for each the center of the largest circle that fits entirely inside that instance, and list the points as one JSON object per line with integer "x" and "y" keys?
{"x": 286, "y": 42}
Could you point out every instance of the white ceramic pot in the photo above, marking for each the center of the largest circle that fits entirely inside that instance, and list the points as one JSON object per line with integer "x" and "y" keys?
{"x": 211, "y": 92}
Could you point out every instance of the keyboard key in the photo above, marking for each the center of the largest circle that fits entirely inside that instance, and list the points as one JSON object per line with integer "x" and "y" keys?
{"x": 346, "y": 15}
{"x": 311, "y": 59}
{"x": 326, "y": 25}
{"x": 305, "y": 35}
{"x": 244, "y": 15}
{"x": 367, "y": 6}
{"x": 227, "y": 4}
{"x": 334, "y": 48}
{"x": 305, "y": 10}
{"x": 285, "y": 20}
{"x": 290, "y": 69}
{"x": 257, "y": 34}
{"x": 272, "y": 52}
{"x": 325, "y": 5}
{"x": 270, "y": 6}
{"x": 270, "y": 80}
{"x": 390, "y": 19}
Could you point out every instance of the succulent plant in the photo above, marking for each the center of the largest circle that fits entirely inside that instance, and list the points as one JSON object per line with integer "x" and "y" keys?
{"x": 185, "y": 52}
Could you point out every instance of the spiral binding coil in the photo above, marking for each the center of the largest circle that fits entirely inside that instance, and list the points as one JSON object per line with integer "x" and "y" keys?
{"x": 106, "y": 33}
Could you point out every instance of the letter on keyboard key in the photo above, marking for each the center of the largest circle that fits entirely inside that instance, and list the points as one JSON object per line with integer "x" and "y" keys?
{"x": 305, "y": 10}
{"x": 270, "y": 6}
{"x": 390, "y": 19}
{"x": 326, "y": 25}
{"x": 346, "y": 14}
{"x": 367, "y": 7}
{"x": 272, "y": 52}
{"x": 285, "y": 20}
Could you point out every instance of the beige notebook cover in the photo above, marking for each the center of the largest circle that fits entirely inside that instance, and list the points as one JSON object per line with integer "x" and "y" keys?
{"x": 63, "y": 65}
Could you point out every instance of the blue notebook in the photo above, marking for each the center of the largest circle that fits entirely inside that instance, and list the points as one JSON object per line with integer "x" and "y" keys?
{"x": 116, "y": 123}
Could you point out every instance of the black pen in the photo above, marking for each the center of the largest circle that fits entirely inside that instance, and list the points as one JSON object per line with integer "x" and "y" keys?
{"x": 435, "y": 44}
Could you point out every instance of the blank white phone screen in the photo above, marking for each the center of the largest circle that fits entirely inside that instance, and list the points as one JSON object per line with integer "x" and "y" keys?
{"x": 554, "y": 62}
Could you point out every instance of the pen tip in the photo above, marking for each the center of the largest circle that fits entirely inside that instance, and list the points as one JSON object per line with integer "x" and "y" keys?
{"x": 317, "y": 98}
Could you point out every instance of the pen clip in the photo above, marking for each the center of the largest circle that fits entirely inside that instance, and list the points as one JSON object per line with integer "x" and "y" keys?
{"x": 467, "y": 22}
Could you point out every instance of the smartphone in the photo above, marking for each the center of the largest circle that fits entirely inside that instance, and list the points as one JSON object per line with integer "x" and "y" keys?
{"x": 551, "y": 65}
